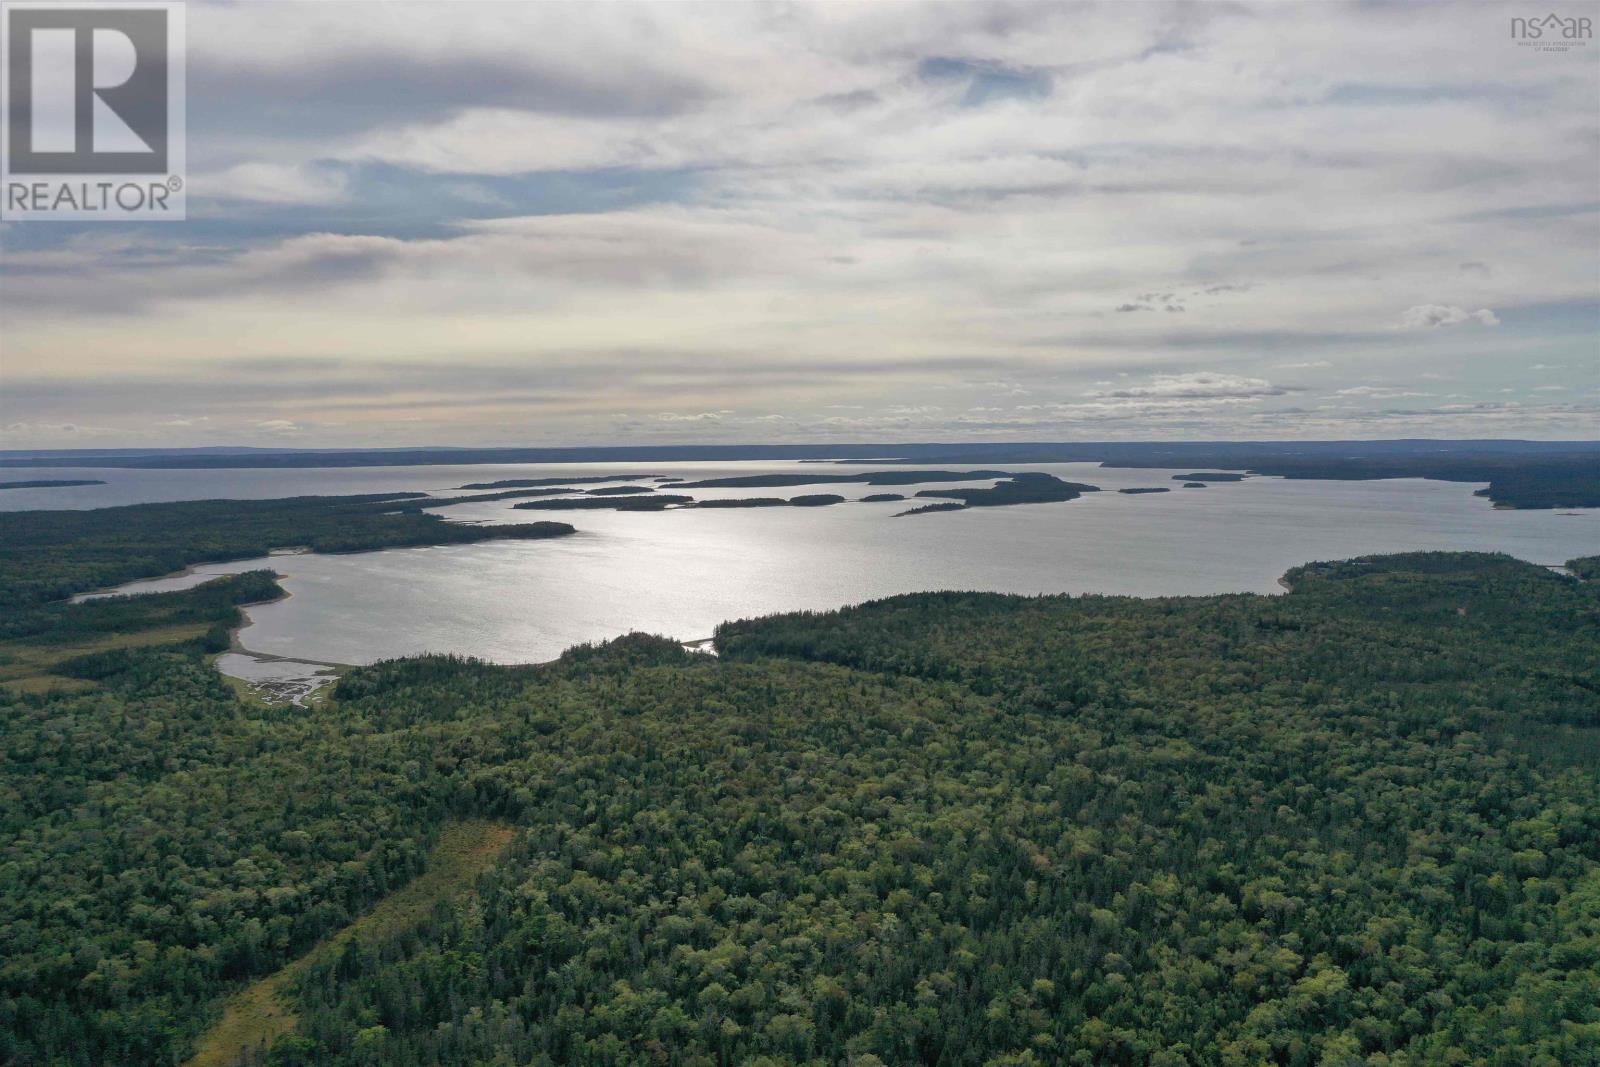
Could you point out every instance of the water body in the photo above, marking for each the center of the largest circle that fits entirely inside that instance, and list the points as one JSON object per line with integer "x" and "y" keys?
{"x": 680, "y": 573}
{"x": 132, "y": 486}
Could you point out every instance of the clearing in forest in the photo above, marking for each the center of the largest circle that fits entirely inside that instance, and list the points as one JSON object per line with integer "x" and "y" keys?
{"x": 259, "y": 1013}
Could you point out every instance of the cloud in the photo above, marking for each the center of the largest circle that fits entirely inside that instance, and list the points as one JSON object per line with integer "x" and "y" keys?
{"x": 1198, "y": 385}
{"x": 461, "y": 218}
{"x": 1434, "y": 316}
{"x": 274, "y": 183}
{"x": 277, "y": 426}
{"x": 1377, "y": 392}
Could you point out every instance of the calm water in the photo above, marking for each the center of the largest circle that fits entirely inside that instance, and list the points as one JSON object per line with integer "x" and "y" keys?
{"x": 681, "y": 572}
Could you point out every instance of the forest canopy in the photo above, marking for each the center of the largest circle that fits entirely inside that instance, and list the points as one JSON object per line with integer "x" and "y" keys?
{"x": 1356, "y": 823}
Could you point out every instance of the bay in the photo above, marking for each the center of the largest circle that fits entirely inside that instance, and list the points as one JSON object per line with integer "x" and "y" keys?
{"x": 681, "y": 572}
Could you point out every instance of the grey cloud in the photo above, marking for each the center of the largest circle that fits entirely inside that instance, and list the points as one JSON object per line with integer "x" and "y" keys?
{"x": 327, "y": 383}
{"x": 1435, "y": 316}
{"x": 1199, "y": 385}
{"x": 981, "y": 182}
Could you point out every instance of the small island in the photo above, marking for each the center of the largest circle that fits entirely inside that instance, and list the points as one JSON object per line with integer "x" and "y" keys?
{"x": 51, "y": 483}
{"x": 621, "y": 490}
{"x": 814, "y": 500}
{"x": 1210, "y": 476}
{"x": 949, "y": 505}
{"x": 1194, "y": 485}
{"x": 879, "y": 498}
{"x": 640, "y": 502}
{"x": 1029, "y": 488}
{"x": 1145, "y": 489}
{"x": 528, "y": 483}
{"x": 778, "y": 481}
{"x": 744, "y": 502}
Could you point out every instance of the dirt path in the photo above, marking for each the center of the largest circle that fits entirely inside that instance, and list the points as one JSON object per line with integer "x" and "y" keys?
{"x": 257, "y": 1015}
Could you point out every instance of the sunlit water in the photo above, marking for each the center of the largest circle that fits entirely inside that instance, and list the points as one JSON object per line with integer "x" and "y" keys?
{"x": 680, "y": 573}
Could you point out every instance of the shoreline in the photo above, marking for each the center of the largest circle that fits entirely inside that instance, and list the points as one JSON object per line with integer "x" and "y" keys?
{"x": 122, "y": 589}
{"x": 238, "y": 646}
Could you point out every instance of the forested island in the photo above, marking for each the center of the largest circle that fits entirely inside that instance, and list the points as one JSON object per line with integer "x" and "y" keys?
{"x": 1355, "y": 823}
{"x": 1008, "y": 489}
{"x": 925, "y": 509}
{"x": 634, "y": 502}
{"x": 534, "y": 483}
{"x": 810, "y": 500}
{"x": 51, "y": 483}
{"x": 902, "y": 477}
{"x": 1016, "y": 489}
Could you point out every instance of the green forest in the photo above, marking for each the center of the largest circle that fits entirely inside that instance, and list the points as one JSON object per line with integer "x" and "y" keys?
{"x": 1355, "y": 824}
{"x": 50, "y": 555}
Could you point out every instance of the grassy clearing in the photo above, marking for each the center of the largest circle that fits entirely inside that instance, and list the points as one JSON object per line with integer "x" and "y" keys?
{"x": 25, "y": 666}
{"x": 259, "y": 1014}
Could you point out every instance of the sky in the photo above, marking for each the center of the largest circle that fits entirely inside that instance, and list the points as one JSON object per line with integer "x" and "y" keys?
{"x": 541, "y": 224}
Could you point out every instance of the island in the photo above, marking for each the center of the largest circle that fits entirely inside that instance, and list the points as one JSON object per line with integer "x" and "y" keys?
{"x": 897, "y": 477}
{"x": 1029, "y": 488}
{"x": 743, "y": 502}
{"x": 813, "y": 500}
{"x": 878, "y": 498}
{"x": 1145, "y": 489}
{"x": 1194, "y": 485}
{"x": 526, "y": 483}
{"x": 950, "y": 505}
{"x": 51, "y": 483}
{"x": 639, "y": 502}
{"x": 1210, "y": 476}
